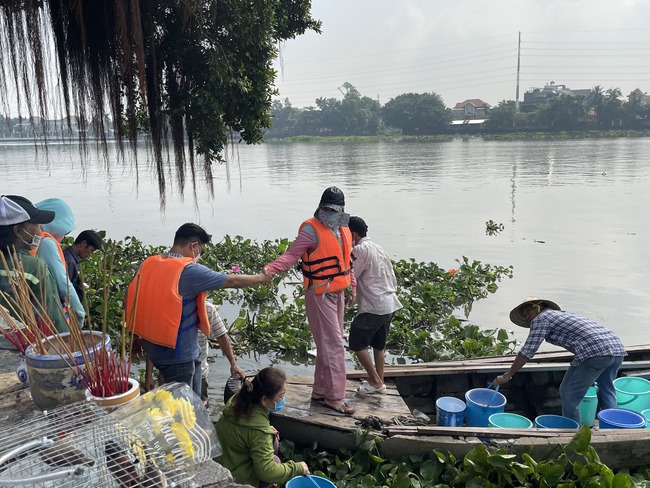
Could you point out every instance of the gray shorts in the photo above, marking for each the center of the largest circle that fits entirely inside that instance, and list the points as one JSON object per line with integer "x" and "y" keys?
{"x": 369, "y": 329}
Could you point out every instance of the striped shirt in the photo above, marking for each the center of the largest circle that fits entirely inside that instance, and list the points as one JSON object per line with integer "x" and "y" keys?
{"x": 583, "y": 337}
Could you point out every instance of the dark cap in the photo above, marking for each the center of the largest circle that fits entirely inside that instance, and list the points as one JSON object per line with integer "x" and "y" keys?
{"x": 332, "y": 198}
{"x": 15, "y": 209}
{"x": 358, "y": 225}
{"x": 190, "y": 232}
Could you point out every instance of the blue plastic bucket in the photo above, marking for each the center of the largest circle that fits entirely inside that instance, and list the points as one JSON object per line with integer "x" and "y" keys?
{"x": 646, "y": 414}
{"x": 620, "y": 418}
{"x": 632, "y": 393}
{"x": 481, "y": 403}
{"x": 509, "y": 421}
{"x": 450, "y": 411}
{"x": 555, "y": 422}
{"x": 305, "y": 482}
{"x": 589, "y": 406}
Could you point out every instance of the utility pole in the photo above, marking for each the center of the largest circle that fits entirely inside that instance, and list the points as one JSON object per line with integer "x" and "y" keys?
{"x": 518, "y": 66}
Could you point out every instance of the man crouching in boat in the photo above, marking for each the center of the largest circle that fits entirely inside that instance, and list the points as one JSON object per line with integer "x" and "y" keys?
{"x": 598, "y": 352}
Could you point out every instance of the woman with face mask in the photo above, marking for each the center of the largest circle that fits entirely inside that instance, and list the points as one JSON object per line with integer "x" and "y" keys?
{"x": 324, "y": 246}
{"x": 249, "y": 442}
{"x": 20, "y": 229}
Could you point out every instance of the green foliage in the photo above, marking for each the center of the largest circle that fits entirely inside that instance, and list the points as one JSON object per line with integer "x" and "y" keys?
{"x": 426, "y": 329}
{"x": 574, "y": 465}
{"x": 273, "y": 317}
{"x": 417, "y": 113}
{"x": 354, "y": 115}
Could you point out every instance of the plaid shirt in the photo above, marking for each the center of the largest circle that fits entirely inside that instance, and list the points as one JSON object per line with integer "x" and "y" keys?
{"x": 583, "y": 337}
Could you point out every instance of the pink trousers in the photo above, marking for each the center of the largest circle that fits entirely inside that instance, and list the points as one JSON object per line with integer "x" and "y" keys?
{"x": 325, "y": 316}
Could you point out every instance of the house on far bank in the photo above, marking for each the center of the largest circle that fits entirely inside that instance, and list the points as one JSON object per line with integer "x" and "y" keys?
{"x": 538, "y": 96}
{"x": 473, "y": 108}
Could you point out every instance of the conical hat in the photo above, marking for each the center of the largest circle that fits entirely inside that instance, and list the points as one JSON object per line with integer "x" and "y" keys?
{"x": 518, "y": 318}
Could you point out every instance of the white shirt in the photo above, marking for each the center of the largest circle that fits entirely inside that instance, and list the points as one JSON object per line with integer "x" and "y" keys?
{"x": 217, "y": 329}
{"x": 376, "y": 282}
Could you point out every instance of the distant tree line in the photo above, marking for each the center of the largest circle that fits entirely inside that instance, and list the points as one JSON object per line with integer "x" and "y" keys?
{"x": 426, "y": 113}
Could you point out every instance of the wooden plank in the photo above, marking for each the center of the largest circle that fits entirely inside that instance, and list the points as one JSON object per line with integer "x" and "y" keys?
{"x": 305, "y": 421}
{"x": 464, "y": 368}
{"x": 428, "y": 430}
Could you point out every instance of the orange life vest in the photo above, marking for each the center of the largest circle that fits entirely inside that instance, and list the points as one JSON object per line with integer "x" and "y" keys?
{"x": 328, "y": 267}
{"x": 58, "y": 246}
{"x": 159, "y": 307}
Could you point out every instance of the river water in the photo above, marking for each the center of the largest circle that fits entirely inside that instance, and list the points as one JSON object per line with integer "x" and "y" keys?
{"x": 574, "y": 212}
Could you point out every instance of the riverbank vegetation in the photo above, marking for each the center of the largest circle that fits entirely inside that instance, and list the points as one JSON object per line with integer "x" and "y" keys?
{"x": 432, "y": 325}
{"x": 425, "y": 114}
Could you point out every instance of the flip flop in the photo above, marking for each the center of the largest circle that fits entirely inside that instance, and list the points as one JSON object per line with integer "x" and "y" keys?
{"x": 343, "y": 408}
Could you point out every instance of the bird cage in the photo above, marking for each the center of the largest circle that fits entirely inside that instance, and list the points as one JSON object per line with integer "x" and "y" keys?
{"x": 157, "y": 440}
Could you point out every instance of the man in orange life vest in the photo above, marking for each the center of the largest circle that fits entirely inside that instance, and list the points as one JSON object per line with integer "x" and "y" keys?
{"x": 324, "y": 244}
{"x": 165, "y": 306}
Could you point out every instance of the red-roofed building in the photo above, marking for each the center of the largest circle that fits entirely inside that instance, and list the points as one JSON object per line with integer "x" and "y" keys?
{"x": 474, "y": 108}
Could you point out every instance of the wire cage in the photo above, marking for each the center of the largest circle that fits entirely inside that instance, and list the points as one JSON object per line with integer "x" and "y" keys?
{"x": 156, "y": 441}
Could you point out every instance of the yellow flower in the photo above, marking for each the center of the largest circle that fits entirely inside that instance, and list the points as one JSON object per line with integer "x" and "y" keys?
{"x": 169, "y": 406}
{"x": 156, "y": 418}
{"x": 183, "y": 436}
{"x": 163, "y": 396}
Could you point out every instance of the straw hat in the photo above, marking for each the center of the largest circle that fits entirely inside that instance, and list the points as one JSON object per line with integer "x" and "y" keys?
{"x": 518, "y": 318}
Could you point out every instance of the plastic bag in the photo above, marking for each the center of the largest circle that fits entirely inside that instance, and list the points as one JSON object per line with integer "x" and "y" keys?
{"x": 173, "y": 420}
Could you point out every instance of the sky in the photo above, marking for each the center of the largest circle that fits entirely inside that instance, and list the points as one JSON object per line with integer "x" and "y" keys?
{"x": 465, "y": 49}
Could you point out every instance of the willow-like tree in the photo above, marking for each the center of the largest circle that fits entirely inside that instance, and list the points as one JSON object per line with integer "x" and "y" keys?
{"x": 187, "y": 72}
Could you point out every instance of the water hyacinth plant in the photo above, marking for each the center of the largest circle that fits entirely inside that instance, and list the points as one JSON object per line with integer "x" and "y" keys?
{"x": 431, "y": 326}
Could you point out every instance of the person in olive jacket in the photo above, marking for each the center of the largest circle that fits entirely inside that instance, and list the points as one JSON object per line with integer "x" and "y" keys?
{"x": 248, "y": 440}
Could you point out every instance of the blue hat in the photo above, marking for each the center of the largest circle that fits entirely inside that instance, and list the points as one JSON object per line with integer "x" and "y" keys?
{"x": 63, "y": 222}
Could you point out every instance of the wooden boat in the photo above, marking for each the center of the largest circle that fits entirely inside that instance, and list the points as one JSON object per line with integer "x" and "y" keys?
{"x": 533, "y": 391}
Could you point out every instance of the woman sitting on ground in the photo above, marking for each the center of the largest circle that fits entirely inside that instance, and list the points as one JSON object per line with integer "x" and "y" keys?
{"x": 249, "y": 442}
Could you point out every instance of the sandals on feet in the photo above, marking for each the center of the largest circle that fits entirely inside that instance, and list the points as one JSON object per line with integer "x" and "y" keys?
{"x": 368, "y": 389}
{"x": 343, "y": 408}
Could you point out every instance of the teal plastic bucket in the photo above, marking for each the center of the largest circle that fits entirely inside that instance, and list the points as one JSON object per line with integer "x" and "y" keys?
{"x": 509, "y": 421}
{"x": 555, "y": 422}
{"x": 632, "y": 393}
{"x": 589, "y": 406}
{"x": 450, "y": 411}
{"x": 646, "y": 414}
{"x": 481, "y": 403}
{"x": 620, "y": 418}
{"x": 306, "y": 482}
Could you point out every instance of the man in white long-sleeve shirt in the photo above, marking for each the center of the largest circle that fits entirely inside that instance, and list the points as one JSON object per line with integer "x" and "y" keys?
{"x": 377, "y": 300}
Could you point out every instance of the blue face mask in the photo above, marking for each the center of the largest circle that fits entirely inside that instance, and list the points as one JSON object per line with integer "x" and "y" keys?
{"x": 279, "y": 405}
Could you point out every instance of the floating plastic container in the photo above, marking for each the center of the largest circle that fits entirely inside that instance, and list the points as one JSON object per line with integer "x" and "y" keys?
{"x": 632, "y": 393}
{"x": 450, "y": 411}
{"x": 308, "y": 482}
{"x": 589, "y": 406}
{"x": 555, "y": 422}
{"x": 620, "y": 418}
{"x": 509, "y": 421}
{"x": 481, "y": 403}
{"x": 646, "y": 414}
